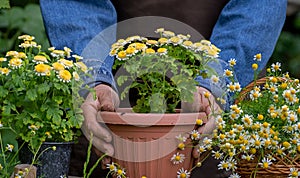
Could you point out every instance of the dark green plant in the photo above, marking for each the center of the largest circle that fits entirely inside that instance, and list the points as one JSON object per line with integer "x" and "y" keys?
{"x": 162, "y": 71}
{"x": 39, "y": 93}
{"x": 17, "y": 21}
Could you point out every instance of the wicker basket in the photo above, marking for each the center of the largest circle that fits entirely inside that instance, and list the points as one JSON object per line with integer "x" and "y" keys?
{"x": 260, "y": 82}
{"x": 279, "y": 169}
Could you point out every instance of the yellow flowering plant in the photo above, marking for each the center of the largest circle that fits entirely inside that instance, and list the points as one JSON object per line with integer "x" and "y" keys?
{"x": 162, "y": 70}
{"x": 261, "y": 128}
{"x": 39, "y": 93}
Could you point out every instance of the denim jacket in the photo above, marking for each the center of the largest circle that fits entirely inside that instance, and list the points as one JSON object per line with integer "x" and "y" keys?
{"x": 243, "y": 29}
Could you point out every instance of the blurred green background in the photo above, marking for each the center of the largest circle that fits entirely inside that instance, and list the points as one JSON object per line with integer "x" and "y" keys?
{"x": 24, "y": 17}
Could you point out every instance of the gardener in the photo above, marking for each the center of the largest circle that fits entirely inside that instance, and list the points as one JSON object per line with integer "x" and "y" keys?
{"x": 240, "y": 29}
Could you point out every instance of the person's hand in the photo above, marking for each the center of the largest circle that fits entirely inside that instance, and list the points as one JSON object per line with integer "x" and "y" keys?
{"x": 107, "y": 100}
{"x": 204, "y": 101}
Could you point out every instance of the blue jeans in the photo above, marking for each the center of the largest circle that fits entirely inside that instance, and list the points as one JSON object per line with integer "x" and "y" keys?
{"x": 74, "y": 23}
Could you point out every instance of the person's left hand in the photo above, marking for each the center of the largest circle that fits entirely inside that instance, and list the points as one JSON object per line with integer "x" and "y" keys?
{"x": 204, "y": 101}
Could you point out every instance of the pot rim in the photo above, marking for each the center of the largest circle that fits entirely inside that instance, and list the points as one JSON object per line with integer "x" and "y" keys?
{"x": 125, "y": 116}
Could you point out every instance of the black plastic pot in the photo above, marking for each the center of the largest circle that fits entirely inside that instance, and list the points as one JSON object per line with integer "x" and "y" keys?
{"x": 51, "y": 163}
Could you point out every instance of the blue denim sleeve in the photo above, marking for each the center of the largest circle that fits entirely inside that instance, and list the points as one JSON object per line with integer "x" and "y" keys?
{"x": 245, "y": 28}
{"x": 77, "y": 24}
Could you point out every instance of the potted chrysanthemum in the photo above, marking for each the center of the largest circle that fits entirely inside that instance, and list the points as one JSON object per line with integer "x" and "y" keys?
{"x": 259, "y": 135}
{"x": 159, "y": 74}
{"x": 39, "y": 95}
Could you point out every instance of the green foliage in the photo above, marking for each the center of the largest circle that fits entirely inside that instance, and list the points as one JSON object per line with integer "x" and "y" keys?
{"x": 288, "y": 46}
{"x": 39, "y": 93}
{"x": 17, "y": 21}
{"x": 287, "y": 52}
{"x": 8, "y": 152}
{"x": 4, "y": 4}
{"x": 162, "y": 71}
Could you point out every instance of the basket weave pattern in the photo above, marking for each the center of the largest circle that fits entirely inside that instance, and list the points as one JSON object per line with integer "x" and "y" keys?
{"x": 279, "y": 169}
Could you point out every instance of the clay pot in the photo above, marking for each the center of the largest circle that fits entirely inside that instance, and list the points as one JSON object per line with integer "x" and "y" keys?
{"x": 145, "y": 142}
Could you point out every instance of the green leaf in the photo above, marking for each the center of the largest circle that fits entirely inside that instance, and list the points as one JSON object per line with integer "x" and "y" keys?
{"x": 43, "y": 88}
{"x": 4, "y": 23}
{"x": 157, "y": 103}
{"x": 6, "y": 110}
{"x": 75, "y": 120}
{"x": 3, "y": 92}
{"x": 58, "y": 99}
{"x": 4, "y": 4}
{"x": 31, "y": 94}
{"x": 16, "y": 17}
{"x": 6, "y": 44}
{"x": 122, "y": 79}
{"x": 55, "y": 113}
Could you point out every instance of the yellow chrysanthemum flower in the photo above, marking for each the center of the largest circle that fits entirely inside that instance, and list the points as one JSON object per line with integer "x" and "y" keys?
{"x": 5, "y": 71}
{"x": 40, "y": 59}
{"x": 150, "y": 51}
{"x": 64, "y": 75}
{"x": 151, "y": 42}
{"x": 12, "y": 53}
{"x": 28, "y": 44}
{"x": 113, "y": 52}
{"x": 77, "y": 57}
{"x": 162, "y": 51}
{"x": 15, "y": 63}
{"x": 82, "y": 66}
{"x": 121, "y": 55}
{"x": 212, "y": 53}
{"x": 66, "y": 63}
{"x": 26, "y": 37}
{"x": 51, "y": 48}
{"x": 187, "y": 43}
{"x": 42, "y": 69}
{"x": 3, "y": 59}
{"x": 140, "y": 46}
{"x": 21, "y": 55}
{"x": 175, "y": 40}
{"x": 167, "y": 33}
{"x": 58, "y": 66}
{"x": 58, "y": 53}
{"x": 163, "y": 40}
{"x": 76, "y": 76}
{"x": 67, "y": 51}
{"x": 130, "y": 50}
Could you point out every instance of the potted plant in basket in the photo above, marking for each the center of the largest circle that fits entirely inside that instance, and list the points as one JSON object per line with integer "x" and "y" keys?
{"x": 39, "y": 98}
{"x": 161, "y": 73}
{"x": 259, "y": 135}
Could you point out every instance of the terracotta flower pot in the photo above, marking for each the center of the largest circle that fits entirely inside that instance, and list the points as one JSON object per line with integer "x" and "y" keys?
{"x": 145, "y": 143}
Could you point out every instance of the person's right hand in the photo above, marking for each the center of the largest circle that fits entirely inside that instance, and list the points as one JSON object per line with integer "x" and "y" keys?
{"x": 107, "y": 100}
